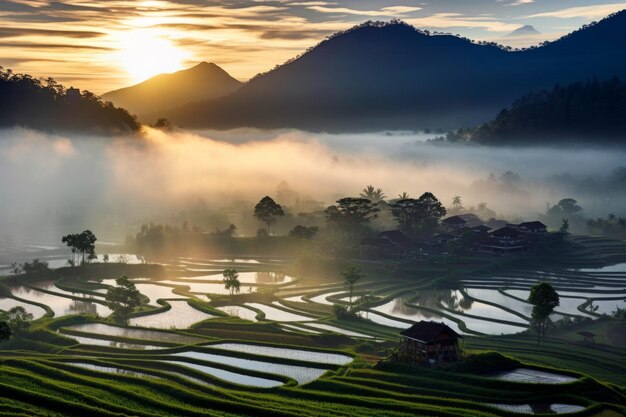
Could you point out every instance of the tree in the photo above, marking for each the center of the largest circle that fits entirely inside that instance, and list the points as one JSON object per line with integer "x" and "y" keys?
{"x": 83, "y": 244}
{"x": 231, "y": 280}
{"x": 375, "y": 195}
{"x": 544, "y": 299}
{"x": 566, "y": 208}
{"x": 364, "y": 302}
{"x": 403, "y": 196}
{"x": 123, "y": 298}
{"x": 351, "y": 275}
{"x": 418, "y": 215}
{"x": 303, "y": 232}
{"x": 351, "y": 214}
{"x": 457, "y": 205}
{"x": 564, "y": 227}
{"x": 17, "y": 318}
{"x": 5, "y": 331}
{"x": 267, "y": 210}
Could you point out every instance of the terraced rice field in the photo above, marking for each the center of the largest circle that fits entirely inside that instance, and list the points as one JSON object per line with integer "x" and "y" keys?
{"x": 270, "y": 356}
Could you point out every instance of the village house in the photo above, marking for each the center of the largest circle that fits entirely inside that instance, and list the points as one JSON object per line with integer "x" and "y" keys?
{"x": 505, "y": 240}
{"x": 387, "y": 243}
{"x": 533, "y": 227}
{"x": 453, "y": 223}
{"x": 429, "y": 343}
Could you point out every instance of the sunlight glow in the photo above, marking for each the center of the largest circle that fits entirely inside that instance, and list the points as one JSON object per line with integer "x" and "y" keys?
{"x": 145, "y": 53}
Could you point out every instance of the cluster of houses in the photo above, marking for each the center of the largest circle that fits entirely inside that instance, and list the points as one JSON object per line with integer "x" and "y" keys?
{"x": 495, "y": 237}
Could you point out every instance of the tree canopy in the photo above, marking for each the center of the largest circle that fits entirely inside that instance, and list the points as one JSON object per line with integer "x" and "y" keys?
{"x": 231, "y": 280}
{"x": 123, "y": 298}
{"x": 48, "y": 105}
{"x": 350, "y": 214}
{"x": 83, "y": 244}
{"x": 17, "y": 318}
{"x": 581, "y": 110}
{"x": 419, "y": 215}
{"x": 544, "y": 299}
{"x": 267, "y": 210}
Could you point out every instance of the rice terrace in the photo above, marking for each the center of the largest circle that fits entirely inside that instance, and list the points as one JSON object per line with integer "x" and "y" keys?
{"x": 277, "y": 348}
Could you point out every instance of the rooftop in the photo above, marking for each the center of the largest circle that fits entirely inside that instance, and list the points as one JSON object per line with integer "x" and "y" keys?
{"x": 430, "y": 331}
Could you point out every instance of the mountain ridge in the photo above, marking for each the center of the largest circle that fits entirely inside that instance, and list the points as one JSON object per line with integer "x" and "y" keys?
{"x": 165, "y": 91}
{"x": 382, "y": 76}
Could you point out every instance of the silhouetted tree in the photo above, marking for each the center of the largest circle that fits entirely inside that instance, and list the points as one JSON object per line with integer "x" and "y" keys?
{"x": 351, "y": 276}
{"x": 5, "y": 331}
{"x": 45, "y": 104}
{"x": 457, "y": 205}
{"x": 83, "y": 243}
{"x": 375, "y": 195}
{"x": 420, "y": 215}
{"x": 123, "y": 299}
{"x": 580, "y": 110}
{"x": 231, "y": 280}
{"x": 351, "y": 214}
{"x": 612, "y": 226}
{"x": 267, "y": 210}
{"x": 564, "y": 227}
{"x": 544, "y": 300}
{"x": 565, "y": 208}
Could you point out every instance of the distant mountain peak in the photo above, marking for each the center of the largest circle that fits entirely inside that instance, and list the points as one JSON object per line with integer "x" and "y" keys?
{"x": 203, "y": 81}
{"x": 524, "y": 31}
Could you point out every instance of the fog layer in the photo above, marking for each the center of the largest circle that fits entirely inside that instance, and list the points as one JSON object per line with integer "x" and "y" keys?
{"x": 55, "y": 184}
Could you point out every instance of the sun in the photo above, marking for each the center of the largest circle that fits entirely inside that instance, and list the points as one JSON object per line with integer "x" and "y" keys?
{"x": 145, "y": 53}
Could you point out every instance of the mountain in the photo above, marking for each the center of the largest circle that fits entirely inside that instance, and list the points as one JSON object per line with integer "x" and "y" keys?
{"x": 525, "y": 30}
{"x": 46, "y": 105}
{"x": 392, "y": 76}
{"x": 165, "y": 91}
{"x": 593, "y": 112}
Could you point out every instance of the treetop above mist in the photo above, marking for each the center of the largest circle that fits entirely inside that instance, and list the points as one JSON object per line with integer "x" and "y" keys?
{"x": 47, "y": 105}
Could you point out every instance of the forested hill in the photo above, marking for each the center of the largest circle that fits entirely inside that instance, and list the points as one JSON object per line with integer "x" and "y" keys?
{"x": 593, "y": 112}
{"x": 392, "y": 76}
{"x": 46, "y": 105}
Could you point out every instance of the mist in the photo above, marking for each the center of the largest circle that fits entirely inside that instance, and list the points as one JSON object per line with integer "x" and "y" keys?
{"x": 56, "y": 184}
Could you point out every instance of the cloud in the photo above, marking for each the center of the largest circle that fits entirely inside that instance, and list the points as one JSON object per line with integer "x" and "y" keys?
{"x": 11, "y": 32}
{"x": 24, "y": 45}
{"x": 597, "y": 11}
{"x": 520, "y": 2}
{"x": 385, "y": 11}
{"x": 457, "y": 20}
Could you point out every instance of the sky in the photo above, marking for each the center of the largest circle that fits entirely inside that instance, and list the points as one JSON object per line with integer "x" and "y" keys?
{"x": 102, "y": 45}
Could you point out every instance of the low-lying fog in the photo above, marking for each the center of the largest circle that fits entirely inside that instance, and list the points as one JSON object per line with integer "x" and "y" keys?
{"x": 55, "y": 184}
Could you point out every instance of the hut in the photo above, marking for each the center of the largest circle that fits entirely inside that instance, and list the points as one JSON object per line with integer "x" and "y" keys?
{"x": 430, "y": 342}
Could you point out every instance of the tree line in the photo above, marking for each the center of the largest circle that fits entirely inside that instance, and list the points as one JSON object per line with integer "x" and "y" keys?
{"x": 593, "y": 109}
{"x": 47, "y": 105}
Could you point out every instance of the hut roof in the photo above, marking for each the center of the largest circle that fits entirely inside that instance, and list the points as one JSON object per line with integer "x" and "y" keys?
{"x": 430, "y": 331}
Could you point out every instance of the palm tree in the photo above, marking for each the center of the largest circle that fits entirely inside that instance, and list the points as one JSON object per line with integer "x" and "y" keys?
{"x": 404, "y": 196}
{"x": 375, "y": 195}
